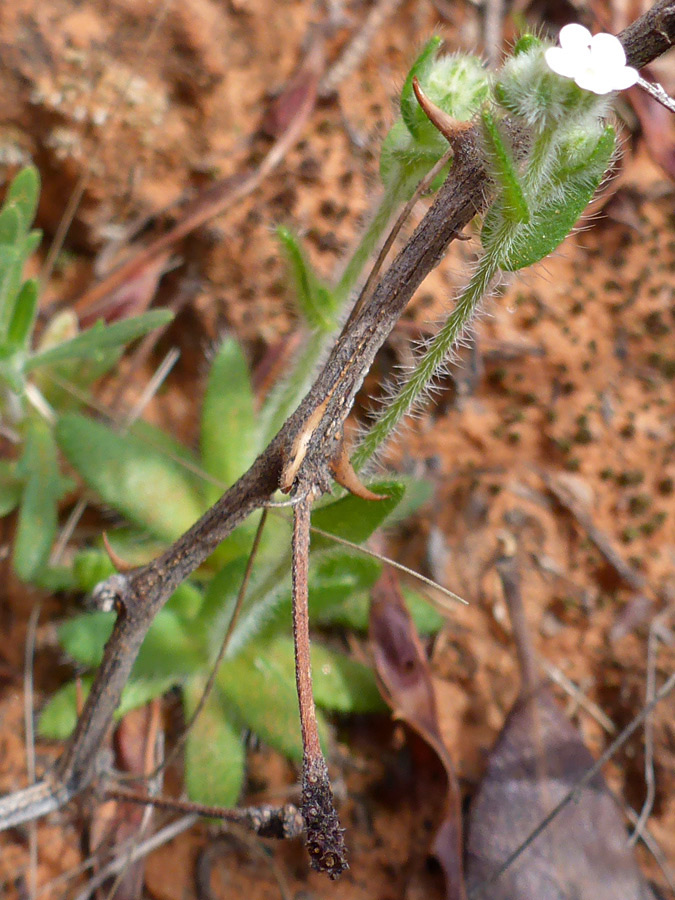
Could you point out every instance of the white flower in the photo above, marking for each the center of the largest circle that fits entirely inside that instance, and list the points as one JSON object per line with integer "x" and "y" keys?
{"x": 596, "y": 63}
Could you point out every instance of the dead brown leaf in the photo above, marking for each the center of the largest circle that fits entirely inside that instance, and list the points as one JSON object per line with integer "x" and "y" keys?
{"x": 405, "y": 682}
{"x": 583, "y": 853}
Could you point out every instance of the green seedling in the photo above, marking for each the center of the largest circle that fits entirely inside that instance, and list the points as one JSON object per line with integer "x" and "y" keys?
{"x": 31, "y": 402}
{"x": 161, "y": 488}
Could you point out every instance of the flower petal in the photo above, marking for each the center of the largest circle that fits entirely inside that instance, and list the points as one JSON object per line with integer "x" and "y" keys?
{"x": 606, "y": 50}
{"x": 625, "y": 78}
{"x": 574, "y": 37}
{"x": 598, "y": 82}
{"x": 562, "y": 62}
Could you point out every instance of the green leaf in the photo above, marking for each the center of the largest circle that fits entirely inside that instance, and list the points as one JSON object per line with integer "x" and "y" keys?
{"x": 12, "y": 259}
{"x": 513, "y": 205}
{"x": 220, "y": 597}
{"x": 29, "y": 244}
{"x": 229, "y": 432}
{"x": 334, "y": 578}
{"x": 342, "y": 684}
{"x": 260, "y": 685}
{"x": 355, "y": 519}
{"x": 55, "y": 579}
{"x": 410, "y": 108}
{"x": 170, "y": 648}
{"x": 168, "y": 445}
{"x": 168, "y": 651}
{"x": 23, "y": 317}
{"x": 36, "y": 528}
{"x": 142, "y": 483}
{"x": 83, "y": 637}
{"x": 557, "y": 211}
{"x": 268, "y": 588}
{"x": 214, "y": 751}
{"x": 80, "y": 373}
{"x": 24, "y": 192}
{"x": 418, "y": 491}
{"x": 354, "y": 611}
{"x": 59, "y": 717}
{"x": 11, "y": 487}
{"x": 10, "y": 224}
{"x": 314, "y": 299}
{"x": 91, "y": 566}
{"x": 425, "y": 616}
{"x": 11, "y": 266}
{"x": 186, "y": 602}
{"x": 351, "y": 612}
{"x": 101, "y": 337}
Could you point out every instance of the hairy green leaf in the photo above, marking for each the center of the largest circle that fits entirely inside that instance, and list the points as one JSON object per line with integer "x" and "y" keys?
{"x": 229, "y": 432}
{"x": 10, "y": 224}
{"x": 10, "y": 278}
{"x": 314, "y": 299}
{"x": 354, "y": 611}
{"x": 23, "y": 316}
{"x": 355, "y": 519}
{"x": 214, "y": 751}
{"x": 36, "y": 528}
{"x": 340, "y": 684}
{"x": 11, "y": 487}
{"x": 59, "y": 717}
{"x": 99, "y": 338}
{"x": 24, "y": 193}
{"x": 169, "y": 649}
{"x": 334, "y": 577}
{"x": 260, "y": 685}
{"x": 513, "y": 205}
{"x": 411, "y": 113}
{"x": 139, "y": 481}
{"x": 91, "y": 566}
{"x": 556, "y": 211}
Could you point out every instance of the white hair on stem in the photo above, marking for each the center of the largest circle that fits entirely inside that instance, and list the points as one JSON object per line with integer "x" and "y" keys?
{"x": 438, "y": 352}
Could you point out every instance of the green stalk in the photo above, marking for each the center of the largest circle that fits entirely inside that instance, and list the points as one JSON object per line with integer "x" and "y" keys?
{"x": 419, "y": 380}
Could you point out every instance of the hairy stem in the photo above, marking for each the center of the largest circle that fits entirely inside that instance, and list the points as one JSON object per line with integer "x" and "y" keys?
{"x": 419, "y": 381}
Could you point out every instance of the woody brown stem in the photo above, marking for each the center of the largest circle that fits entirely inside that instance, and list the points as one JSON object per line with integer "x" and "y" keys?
{"x": 324, "y": 838}
{"x": 303, "y": 668}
